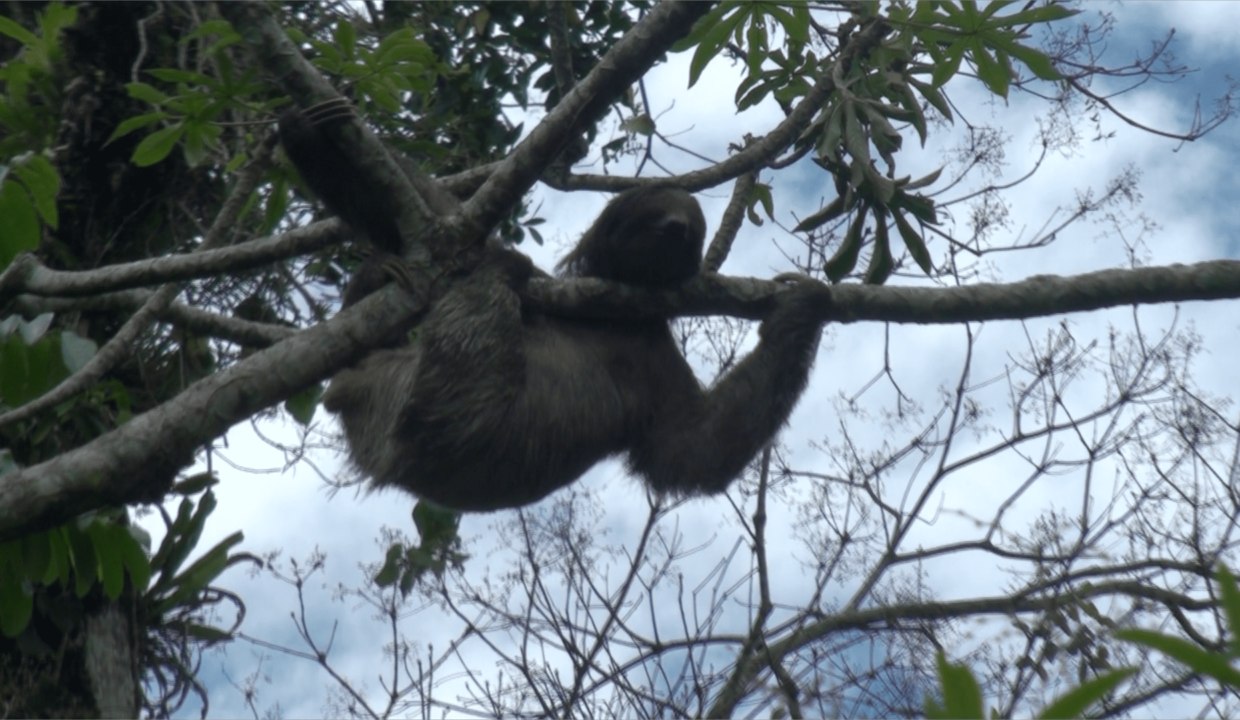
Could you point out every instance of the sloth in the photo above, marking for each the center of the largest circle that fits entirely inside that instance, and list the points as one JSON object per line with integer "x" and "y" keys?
{"x": 496, "y": 406}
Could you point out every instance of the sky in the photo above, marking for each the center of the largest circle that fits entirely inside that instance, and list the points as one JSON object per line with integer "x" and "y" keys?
{"x": 281, "y": 503}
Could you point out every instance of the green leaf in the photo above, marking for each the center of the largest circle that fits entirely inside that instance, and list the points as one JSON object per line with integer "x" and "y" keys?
{"x": 345, "y": 37}
{"x": 16, "y": 604}
{"x": 881, "y": 262}
{"x": 44, "y": 184}
{"x": 924, "y": 181}
{"x": 947, "y": 66}
{"x": 135, "y": 123}
{"x": 390, "y": 572}
{"x": 14, "y": 369}
{"x": 36, "y": 551}
{"x": 922, "y": 208}
{"x": 913, "y": 241}
{"x": 1230, "y": 602}
{"x": 237, "y": 161}
{"x": 991, "y": 72}
{"x": 188, "y": 77}
{"x": 133, "y": 555}
{"x": 834, "y": 209}
{"x": 149, "y": 93}
{"x": 845, "y": 258}
{"x": 109, "y": 553}
{"x": 156, "y": 146}
{"x": 19, "y": 225}
{"x": 200, "y": 137}
{"x": 206, "y": 633}
{"x": 39, "y": 368}
{"x": 301, "y": 406}
{"x": 1039, "y": 14}
{"x": 201, "y": 573}
{"x": 179, "y": 541}
{"x": 962, "y": 698}
{"x": 715, "y": 37}
{"x": 277, "y": 203}
{"x": 855, "y": 141}
{"x": 704, "y": 25}
{"x": 1216, "y": 665}
{"x": 82, "y": 554}
{"x": 18, "y": 33}
{"x": 933, "y": 96}
{"x": 195, "y": 484}
{"x": 61, "y": 569}
{"x": 761, "y": 194}
{"x": 1039, "y": 63}
{"x": 1075, "y": 702}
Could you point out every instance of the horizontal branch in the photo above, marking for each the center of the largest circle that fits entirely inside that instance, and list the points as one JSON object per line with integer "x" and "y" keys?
{"x": 27, "y": 275}
{"x": 1038, "y": 296}
{"x": 1041, "y": 295}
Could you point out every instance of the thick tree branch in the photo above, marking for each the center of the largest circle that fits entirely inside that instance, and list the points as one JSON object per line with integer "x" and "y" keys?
{"x": 416, "y": 201}
{"x": 27, "y": 275}
{"x": 131, "y": 463}
{"x": 626, "y": 62}
{"x": 1038, "y": 296}
{"x": 730, "y": 225}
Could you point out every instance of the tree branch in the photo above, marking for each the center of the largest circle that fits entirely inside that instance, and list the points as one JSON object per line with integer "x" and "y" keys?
{"x": 626, "y": 62}
{"x": 27, "y": 275}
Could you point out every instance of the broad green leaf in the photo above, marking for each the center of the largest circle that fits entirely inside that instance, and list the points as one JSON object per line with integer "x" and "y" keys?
{"x": 991, "y": 71}
{"x": 14, "y": 370}
{"x": 188, "y": 77}
{"x": 913, "y": 241}
{"x": 845, "y": 258}
{"x": 714, "y": 39}
{"x": 301, "y": 406}
{"x": 19, "y": 224}
{"x": 16, "y": 605}
{"x": 134, "y": 123}
{"x": 108, "y": 551}
{"x": 881, "y": 262}
{"x": 237, "y": 161}
{"x": 1039, "y": 14}
{"x": 36, "y": 550}
{"x": 156, "y": 146}
{"x": 345, "y": 37}
{"x": 962, "y": 698}
{"x": 834, "y": 209}
{"x": 44, "y": 184}
{"x": 1231, "y": 606}
{"x": 147, "y": 92}
{"x": 18, "y": 33}
{"x": 390, "y": 572}
{"x": 1216, "y": 665}
{"x": 1038, "y": 62}
{"x": 82, "y": 554}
